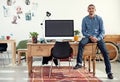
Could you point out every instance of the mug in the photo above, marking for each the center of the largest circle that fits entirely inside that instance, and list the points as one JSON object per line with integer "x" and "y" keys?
{"x": 7, "y": 37}
{"x": 41, "y": 40}
{"x": 3, "y": 37}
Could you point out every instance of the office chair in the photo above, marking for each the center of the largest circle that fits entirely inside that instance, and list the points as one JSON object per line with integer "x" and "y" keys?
{"x": 61, "y": 50}
{"x": 3, "y": 49}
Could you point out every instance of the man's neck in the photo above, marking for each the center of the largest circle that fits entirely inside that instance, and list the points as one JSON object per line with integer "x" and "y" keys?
{"x": 92, "y": 16}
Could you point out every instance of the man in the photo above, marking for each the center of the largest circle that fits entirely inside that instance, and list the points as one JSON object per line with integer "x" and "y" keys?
{"x": 93, "y": 32}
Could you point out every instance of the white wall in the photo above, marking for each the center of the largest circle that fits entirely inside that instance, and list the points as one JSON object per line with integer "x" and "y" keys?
{"x": 60, "y": 9}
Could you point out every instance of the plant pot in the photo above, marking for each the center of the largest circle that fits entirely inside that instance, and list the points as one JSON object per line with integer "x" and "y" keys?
{"x": 34, "y": 40}
{"x": 76, "y": 38}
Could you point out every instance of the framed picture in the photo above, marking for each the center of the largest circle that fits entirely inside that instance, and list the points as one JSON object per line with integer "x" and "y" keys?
{"x": 28, "y": 16}
{"x": 9, "y": 2}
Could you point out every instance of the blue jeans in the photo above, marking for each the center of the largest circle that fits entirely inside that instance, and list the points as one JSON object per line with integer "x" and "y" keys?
{"x": 101, "y": 45}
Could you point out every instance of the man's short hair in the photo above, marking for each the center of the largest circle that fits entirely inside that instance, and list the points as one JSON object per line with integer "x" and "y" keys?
{"x": 91, "y": 5}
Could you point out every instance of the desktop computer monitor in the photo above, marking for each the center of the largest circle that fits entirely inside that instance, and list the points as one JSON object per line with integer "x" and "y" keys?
{"x": 59, "y": 29}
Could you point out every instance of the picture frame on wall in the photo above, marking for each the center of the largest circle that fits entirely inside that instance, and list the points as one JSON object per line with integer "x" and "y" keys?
{"x": 27, "y": 2}
{"x": 9, "y": 2}
{"x": 28, "y": 16}
{"x": 5, "y": 11}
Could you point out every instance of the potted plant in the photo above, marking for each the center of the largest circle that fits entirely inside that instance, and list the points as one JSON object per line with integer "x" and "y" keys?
{"x": 76, "y": 35}
{"x": 34, "y": 36}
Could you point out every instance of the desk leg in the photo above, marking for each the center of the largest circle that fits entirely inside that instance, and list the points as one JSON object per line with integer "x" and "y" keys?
{"x": 94, "y": 65}
{"x": 13, "y": 45}
{"x": 89, "y": 63}
{"x": 30, "y": 65}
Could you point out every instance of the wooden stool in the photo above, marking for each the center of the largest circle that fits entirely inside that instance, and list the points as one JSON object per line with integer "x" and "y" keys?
{"x": 20, "y": 51}
{"x": 91, "y": 49}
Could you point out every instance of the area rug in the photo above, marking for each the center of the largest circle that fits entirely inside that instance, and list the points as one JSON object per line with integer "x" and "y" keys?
{"x": 61, "y": 74}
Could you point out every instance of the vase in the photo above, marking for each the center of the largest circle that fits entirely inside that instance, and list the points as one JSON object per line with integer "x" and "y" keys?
{"x": 76, "y": 38}
{"x": 34, "y": 40}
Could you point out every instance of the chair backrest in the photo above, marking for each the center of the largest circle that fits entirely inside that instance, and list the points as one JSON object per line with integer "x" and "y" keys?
{"x": 22, "y": 44}
{"x": 3, "y": 46}
{"x": 61, "y": 50}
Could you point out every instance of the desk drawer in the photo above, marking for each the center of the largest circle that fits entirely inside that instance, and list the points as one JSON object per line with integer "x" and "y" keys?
{"x": 41, "y": 50}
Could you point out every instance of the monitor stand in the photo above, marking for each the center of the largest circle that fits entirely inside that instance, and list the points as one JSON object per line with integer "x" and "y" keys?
{"x": 59, "y": 40}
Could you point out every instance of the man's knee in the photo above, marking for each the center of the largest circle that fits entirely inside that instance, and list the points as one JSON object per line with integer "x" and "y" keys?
{"x": 84, "y": 41}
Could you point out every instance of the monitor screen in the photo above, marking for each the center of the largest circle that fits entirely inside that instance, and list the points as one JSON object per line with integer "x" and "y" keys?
{"x": 59, "y": 29}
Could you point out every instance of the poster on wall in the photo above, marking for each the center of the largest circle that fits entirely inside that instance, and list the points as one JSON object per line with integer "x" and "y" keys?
{"x": 28, "y": 16}
{"x": 27, "y": 2}
{"x": 5, "y": 11}
{"x": 9, "y": 2}
{"x": 19, "y": 10}
{"x": 14, "y": 21}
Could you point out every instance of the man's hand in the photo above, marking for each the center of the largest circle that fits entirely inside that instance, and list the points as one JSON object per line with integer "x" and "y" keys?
{"x": 93, "y": 39}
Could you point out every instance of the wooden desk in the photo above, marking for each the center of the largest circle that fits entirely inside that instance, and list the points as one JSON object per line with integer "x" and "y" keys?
{"x": 13, "y": 47}
{"x": 45, "y": 49}
{"x": 42, "y": 50}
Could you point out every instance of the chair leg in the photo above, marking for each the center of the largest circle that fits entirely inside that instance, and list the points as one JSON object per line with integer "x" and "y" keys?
{"x": 69, "y": 63}
{"x": 3, "y": 59}
{"x": 3, "y": 62}
{"x": 19, "y": 58}
{"x": 8, "y": 56}
{"x": 5, "y": 55}
{"x": 51, "y": 68}
{"x": 59, "y": 63}
{"x": 72, "y": 60}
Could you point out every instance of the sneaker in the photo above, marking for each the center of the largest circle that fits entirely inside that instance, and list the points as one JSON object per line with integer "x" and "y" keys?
{"x": 110, "y": 76}
{"x": 77, "y": 66}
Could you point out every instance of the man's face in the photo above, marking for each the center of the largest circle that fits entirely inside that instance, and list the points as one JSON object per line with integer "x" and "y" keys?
{"x": 91, "y": 10}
